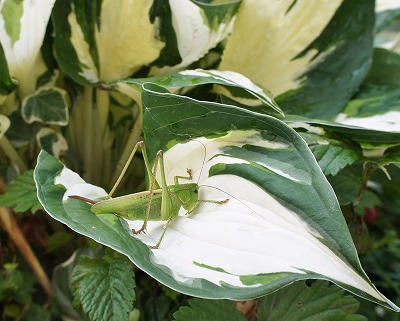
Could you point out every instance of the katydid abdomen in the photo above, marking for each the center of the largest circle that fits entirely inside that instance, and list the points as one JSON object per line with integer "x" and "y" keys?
{"x": 132, "y": 207}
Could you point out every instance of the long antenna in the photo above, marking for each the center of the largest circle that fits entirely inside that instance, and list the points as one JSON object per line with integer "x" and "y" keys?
{"x": 218, "y": 189}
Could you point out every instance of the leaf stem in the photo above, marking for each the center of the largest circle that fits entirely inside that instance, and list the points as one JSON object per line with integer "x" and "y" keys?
{"x": 369, "y": 168}
{"x": 12, "y": 154}
{"x": 9, "y": 223}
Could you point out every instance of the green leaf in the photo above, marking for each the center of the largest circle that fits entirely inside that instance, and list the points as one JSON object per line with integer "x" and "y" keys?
{"x": 311, "y": 57}
{"x": 36, "y": 312}
{"x": 386, "y": 16}
{"x": 48, "y": 106}
{"x": 12, "y": 10}
{"x": 61, "y": 280}
{"x": 205, "y": 310}
{"x": 105, "y": 290}
{"x": 21, "y": 194}
{"x": 347, "y": 185}
{"x": 283, "y": 201}
{"x": 7, "y": 84}
{"x": 332, "y": 155}
{"x": 391, "y": 156}
{"x": 320, "y": 301}
{"x": 385, "y": 69}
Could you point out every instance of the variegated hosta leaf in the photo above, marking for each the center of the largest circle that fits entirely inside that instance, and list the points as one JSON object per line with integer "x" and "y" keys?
{"x": 312, "y": 56}
{"x": 372, "y": 117}
{"x": 22, "y": 29}
{"x": 7, "y": 84}
{"x": 4, "y": 124}
{"x": 332, "y": 154}
{"x": 369, "y": 138}
{"x": 47, "y": 105}
{"x": 388, "y": 14}
{"x": 51, "y": 141}
{"x": 237, "y": 86}
{"x": 191, "y": 30}
{"x": 282, "y": 221}
{"x": 114, "y": 40}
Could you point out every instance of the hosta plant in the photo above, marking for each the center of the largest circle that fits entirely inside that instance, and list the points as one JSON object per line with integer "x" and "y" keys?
{"x": 283, "y": 118}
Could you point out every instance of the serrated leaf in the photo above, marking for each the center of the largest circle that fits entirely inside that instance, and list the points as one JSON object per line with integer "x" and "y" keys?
{"x": 206, "y": 310}
{"x": 105, "y": 290}
{"x": 277, "y": 196}
{"x": 331, "y": 154}
{"x": 320, "y": 301}
{"x": 21, "y": 194}
{"x": 48, "y": 106}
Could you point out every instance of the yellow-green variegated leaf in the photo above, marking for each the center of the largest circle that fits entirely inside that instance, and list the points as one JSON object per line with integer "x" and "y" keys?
{"x": 191, "y": 29}
{"x": 22, "y": 29}
{"x": 116, "y": 39}
{"x": 311, "y": 55}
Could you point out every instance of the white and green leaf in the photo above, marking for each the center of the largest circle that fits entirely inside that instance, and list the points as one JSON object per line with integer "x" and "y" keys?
{"x": 193, "y": 28}
{"x": 232, "y": 84}
{"x": 22, "y": 30}
{"x": 47, "y": 105}
{"x": 51, "y": 141}
{"x": 112, "y": 42}
{"x": 282, "y": 217}
{"x": 331, "y": 154}
{"x": 311, "y": 56}
{"x": 4, "y": 124}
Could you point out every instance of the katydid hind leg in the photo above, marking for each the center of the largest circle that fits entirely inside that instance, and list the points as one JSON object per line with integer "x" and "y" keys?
{"x": 152, "y": 186}
{"x": 157, "y": 245}
{"x": 142, "y": 147}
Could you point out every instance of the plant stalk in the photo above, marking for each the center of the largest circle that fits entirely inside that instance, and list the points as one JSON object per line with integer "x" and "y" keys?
{"x": 12, "y": 154}
{"x": 7, "y": 220}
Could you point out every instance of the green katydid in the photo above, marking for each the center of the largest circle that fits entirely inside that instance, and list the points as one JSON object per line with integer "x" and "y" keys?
{"x": 158, "y": 203}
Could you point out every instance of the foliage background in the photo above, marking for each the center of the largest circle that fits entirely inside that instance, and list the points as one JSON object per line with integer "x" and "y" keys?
{"x": 73, "y": 88}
